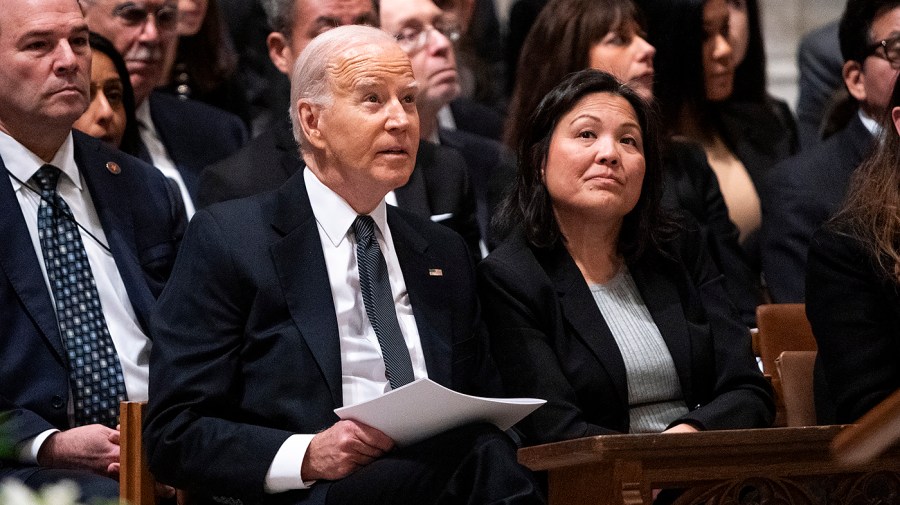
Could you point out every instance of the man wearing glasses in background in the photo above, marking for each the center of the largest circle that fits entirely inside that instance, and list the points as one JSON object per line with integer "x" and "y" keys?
{"x": 428, "y": 35}
{"x": 179, "y": 137}
{"x": 802, "y": 192}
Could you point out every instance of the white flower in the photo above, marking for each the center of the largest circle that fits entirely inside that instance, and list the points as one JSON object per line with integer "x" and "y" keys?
{"x": 62, "y": 493}
{"x": 13, "y": 492}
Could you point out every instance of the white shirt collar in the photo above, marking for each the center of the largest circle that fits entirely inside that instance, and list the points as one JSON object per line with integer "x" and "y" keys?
{"x": 333, "y": 213}
{"x": 873, "y": 126}
{"x": 23, "y": 163}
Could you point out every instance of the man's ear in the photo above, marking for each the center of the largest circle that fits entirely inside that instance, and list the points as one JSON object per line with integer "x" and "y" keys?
{"x": 855, "y": 80}
{"x": 280, "y": 52}
{"x": 895, "y": 116}
{"x": 310, "y": 122}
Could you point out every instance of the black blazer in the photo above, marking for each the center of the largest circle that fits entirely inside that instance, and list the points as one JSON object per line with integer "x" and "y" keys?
{"x": 760, "y": 135}
{"x": 854, "y": 310}
{"x": 246, "y": 348}
{"x": 143, "y": 227}
{"x": 803, "y": 192}
{"x": 438, "y": 188}
{"x": 492, "y": 171}
{"x": 550, "y": 341}
{"x": 195, "y": 134}
{"x": 692, "y": 186}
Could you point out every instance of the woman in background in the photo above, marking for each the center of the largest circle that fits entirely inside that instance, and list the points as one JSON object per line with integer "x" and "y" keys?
{"x": 597, "y": 301}
{"x": 570, "y": 35}
{"x": 743, "y": 132}
{"x": 202, "y": 65}
{"x": 853, "y": 284}
{"x": 110, "y": 115}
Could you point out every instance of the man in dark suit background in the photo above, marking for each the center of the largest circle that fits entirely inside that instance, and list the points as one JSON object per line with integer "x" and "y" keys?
{"x": 273, "y": 318}
{"x": 439, "y": 187}
{"x": 807, "y": 189}
{"x": 72, "y": 209}
{"x": 427, "y": 33}
{"x": 179, "y": 137}
{"x": 819, "y": 63}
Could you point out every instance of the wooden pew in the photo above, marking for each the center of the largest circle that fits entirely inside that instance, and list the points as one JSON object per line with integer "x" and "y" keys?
{"x": 136, "y": 485}
{"x": 792, "y": 464}
{"x": 874, "y": 433}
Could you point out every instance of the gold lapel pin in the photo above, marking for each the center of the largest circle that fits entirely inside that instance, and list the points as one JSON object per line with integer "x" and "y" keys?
{"x": 113, "y": 167}
{"x": 435, "y": 272}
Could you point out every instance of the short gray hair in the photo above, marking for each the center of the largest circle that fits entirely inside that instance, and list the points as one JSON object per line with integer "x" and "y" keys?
{"x": 310, "y": 78}
{"x": 280, "y": 15}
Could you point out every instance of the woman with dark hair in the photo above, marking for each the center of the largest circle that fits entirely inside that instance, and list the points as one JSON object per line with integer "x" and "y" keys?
{"x": 202, "y": 65}
{"x": 853, "y": 283}
{"x": 563, "y": 40}
{"x": 608, "y": 35}
{"x": 599, "y": 303}
{"x": 110, "y": 115}
{"x": 743, "y": 131}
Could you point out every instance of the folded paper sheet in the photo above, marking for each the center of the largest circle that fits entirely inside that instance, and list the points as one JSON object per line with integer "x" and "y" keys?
{"x": 424, "y": 408}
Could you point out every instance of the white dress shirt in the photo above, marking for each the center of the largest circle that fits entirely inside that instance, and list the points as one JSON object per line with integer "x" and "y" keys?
{"x": 158, "y": 154}
{"x": 132, "y": 345}
{"x": 362, "y": 366}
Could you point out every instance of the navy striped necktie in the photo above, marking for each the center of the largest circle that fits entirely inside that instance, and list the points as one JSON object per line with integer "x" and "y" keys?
{"x": 95, "y": 374}
{"x": 379, "y": 302}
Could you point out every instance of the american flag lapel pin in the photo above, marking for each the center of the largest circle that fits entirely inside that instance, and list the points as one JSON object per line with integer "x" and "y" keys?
{"x": 435, "y": 272}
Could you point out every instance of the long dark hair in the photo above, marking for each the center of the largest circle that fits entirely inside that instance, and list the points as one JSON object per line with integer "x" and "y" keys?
{"x": 750, "y": 74}
{"x": 872, "y": 207}
{"x": 558, "y": 44}
{"x": 675, "y": 29}
{"x": 529, "y": 204}
{"x": 207, "y": 57}
{"x": 131, "y": 138}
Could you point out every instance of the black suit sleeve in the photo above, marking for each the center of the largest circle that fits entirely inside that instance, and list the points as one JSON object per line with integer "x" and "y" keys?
{"x": 518, "y": 305}
{"x": 789, "y": 221}
{"x": 854, "y": 312}
{"x": 729, "y": 392}
{"x": 197, "y": 328}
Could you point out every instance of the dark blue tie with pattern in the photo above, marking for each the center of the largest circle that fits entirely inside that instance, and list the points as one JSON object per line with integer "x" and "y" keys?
{"x": 379, "y": 302}
{"x": 95, "y": 374}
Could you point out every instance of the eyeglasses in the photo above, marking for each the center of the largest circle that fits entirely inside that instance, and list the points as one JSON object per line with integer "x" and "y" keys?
{"x": 131, "y": 15}
{"x": 413, "y": 39}
{"x": 891, "y": 51}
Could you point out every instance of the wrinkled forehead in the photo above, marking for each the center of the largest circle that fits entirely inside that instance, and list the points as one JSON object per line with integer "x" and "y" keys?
{"x": 370, "y": 65}
{"x": 18, "y": 17}
{"x": 108, "y": 7}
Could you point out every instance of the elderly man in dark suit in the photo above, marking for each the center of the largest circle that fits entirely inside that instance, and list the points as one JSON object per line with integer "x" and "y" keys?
{"x": 179, "y": 137}
{"x": 804, "y": 191}
{"x": 439, "y": 187}
{"x": 288, "y": 304}
{"x": 89, "y": 239}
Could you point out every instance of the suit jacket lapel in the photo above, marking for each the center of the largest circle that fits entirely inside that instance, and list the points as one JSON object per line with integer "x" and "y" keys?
{"x": 300, "y": 264}
{"x": 431, "y": 312}
{"x": 580, "y": 310}
{"x": 19, "y": 263}
{"x": 413, "y": 196}
{"x": 106, "y": 188}
{"x": 290, "y": 159}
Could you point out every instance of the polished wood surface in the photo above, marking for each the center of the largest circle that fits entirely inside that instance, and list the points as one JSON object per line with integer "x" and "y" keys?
{"x": 796, "y": 372}
{"x": 793, "y": 463}
{"x": 873, "y": 434}
{"x": 781, "y": 327}
{"x": 136, "y": 485}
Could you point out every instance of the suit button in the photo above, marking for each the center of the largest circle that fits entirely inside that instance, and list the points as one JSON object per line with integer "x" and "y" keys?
{"x": 57, "y": 402}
